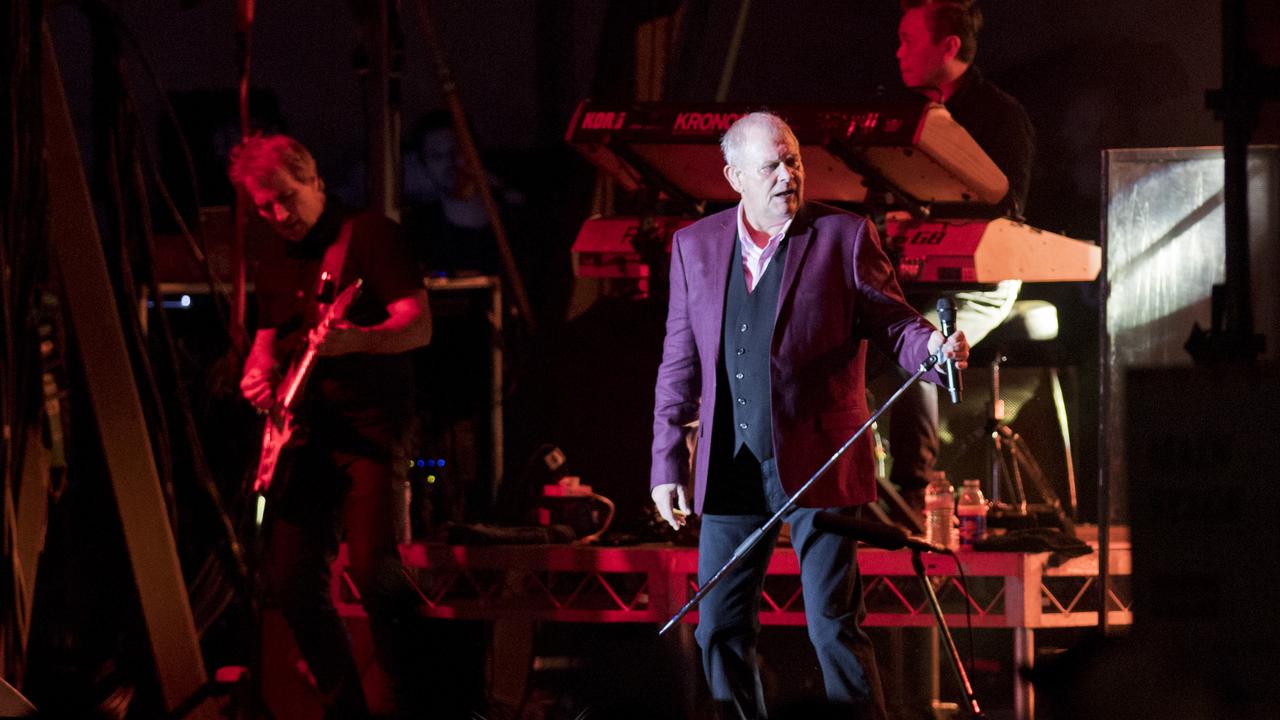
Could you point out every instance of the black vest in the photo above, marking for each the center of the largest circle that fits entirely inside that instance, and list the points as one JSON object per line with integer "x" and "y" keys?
{"x": 747, "y": 340}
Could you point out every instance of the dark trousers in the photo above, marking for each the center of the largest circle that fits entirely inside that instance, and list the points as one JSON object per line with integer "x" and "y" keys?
{"x": 328, "y": 493}
{"x": 913, "y": 427}
{"x": 728, "y": 619}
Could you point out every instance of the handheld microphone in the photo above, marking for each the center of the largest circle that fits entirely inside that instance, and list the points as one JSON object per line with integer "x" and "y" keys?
{"x": 947, "y": 316}
{"x": 875, "y": 534}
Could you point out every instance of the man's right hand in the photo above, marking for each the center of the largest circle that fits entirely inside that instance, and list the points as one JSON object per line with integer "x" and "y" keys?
{"x": 671, "y": 503}
{"x": 258, "y": 387}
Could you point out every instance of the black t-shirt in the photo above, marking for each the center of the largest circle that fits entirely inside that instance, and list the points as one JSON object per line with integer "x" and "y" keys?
{"x": 360, "y": 383}
{"x": 1003, "y": 130}
{"x": 1001, "y": 127}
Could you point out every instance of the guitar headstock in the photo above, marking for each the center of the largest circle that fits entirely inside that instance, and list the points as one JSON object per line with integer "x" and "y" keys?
{"x": 337, "y": 309}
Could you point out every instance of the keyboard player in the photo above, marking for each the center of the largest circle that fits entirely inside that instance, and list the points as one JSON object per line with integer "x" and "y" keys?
{"x": 937, "y": 42}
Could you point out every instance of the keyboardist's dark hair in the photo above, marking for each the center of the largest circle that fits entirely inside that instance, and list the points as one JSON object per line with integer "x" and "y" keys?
{"x": 961, "y": 18}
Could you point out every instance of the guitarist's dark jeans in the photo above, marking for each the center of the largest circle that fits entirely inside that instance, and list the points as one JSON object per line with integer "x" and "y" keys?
{"x": 325, "y": 493}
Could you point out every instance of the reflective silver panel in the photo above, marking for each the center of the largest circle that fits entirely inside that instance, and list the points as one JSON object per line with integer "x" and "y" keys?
{"x": 1164, "y": 245}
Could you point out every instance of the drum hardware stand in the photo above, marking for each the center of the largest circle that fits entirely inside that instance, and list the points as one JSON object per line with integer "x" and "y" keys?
{"x": 1011, "y": 464}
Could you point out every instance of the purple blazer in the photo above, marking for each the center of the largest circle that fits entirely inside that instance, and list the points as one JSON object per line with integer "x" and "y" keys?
{"x": 838, "y": 289}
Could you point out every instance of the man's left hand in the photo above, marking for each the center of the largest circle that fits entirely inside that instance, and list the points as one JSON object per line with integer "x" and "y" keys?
{"x": 338, "y": 338}
{"x": 955, "y": 347}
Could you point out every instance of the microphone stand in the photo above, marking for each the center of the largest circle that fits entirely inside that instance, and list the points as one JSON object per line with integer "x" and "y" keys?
{"x": 750, "y": 542}
{"x": 953, "y": 655}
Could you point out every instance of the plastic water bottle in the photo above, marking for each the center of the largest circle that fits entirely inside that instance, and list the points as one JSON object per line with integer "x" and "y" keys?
{"x": 972, "y": 510}
{"x": 939, "y": 505}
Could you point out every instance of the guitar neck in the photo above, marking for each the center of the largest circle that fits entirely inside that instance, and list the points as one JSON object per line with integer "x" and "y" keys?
{"x": 297, "y": 377}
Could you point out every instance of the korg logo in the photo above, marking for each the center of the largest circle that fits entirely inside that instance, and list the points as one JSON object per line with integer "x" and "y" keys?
{"x": 701, "y": 123}
{"x": 601, "y": 120}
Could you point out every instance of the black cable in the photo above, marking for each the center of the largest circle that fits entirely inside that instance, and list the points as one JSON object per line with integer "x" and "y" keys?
{"x": 199, "y": 252}
{"x": 195, "y": 243}
{"x": 24, "y": 270}
{"x": 123, "y": 232}
{"x": 968, "y": 606}
{"x": 229, "y": 545}
{"x": 155, "y": 349}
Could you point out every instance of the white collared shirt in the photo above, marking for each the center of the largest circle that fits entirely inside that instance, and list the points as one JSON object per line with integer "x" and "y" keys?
{"x": 755, "y": 259}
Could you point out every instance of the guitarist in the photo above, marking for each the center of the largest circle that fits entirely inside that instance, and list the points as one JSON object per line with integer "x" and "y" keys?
{"x": 338, "y": 471}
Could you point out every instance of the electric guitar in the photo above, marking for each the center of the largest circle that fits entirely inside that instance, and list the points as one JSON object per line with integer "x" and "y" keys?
{"x": 279, "y": 424}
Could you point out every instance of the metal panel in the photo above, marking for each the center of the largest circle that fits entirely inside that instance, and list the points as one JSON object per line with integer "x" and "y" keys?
{"x": 1164, "y": 245}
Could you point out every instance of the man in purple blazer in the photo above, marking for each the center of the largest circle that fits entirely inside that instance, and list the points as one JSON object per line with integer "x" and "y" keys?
{"x": 763, "y": 358}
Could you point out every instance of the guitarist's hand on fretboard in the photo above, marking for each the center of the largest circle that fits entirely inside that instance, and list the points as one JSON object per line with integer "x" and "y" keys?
{"x": 338, "y": 338}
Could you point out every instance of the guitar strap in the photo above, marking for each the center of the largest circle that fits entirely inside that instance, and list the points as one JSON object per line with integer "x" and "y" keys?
{"x": 335, "y": 257}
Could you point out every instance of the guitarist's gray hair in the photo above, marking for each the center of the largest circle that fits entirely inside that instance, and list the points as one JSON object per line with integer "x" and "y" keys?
{"x": 257, "y": 156}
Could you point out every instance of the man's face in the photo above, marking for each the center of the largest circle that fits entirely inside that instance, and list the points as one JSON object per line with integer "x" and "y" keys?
{"x": 290, "y": 207}
{"x": 439, "y": 152}
{"x": 920, "y": 60}
{"x": 769, "y": 176}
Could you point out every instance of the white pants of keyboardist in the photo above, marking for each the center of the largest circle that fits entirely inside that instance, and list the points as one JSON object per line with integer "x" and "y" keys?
{"x": 913, "y": 420}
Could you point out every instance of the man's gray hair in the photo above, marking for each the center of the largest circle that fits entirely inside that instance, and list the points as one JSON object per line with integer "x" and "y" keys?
{"x": 736, "y": 135}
